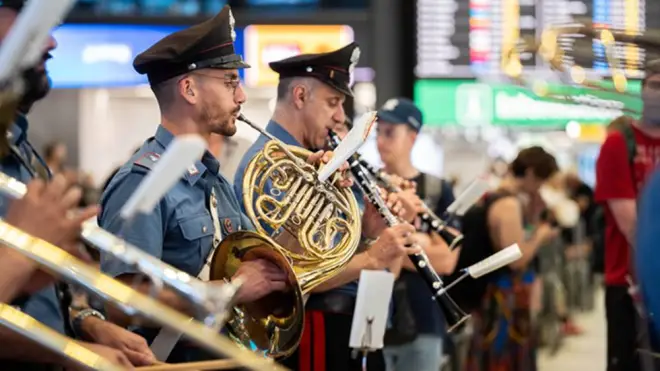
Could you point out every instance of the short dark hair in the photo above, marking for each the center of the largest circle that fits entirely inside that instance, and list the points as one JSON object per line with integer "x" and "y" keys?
{"x": 164, "y": 93}
{"x": 286, "y": 84}
{"x": 283, "y": 87}
{"x": 542, "y": 163}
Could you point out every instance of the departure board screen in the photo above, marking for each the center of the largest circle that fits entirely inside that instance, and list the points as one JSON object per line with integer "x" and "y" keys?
{"x": 461, "y": 38}
{"x": 629, "y": 16}
{"x": 469, "y": 38}
{"x": 443, "y": 38}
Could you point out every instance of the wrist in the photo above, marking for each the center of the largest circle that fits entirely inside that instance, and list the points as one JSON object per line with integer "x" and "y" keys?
{"x": 371, "y": 262}
{"x": 85, "y": 323}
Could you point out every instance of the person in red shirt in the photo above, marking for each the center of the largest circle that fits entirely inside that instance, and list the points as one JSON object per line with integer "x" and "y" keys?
{"x": 618, "y": 183}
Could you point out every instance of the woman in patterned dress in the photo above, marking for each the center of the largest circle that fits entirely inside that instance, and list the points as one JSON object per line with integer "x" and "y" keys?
{"x": 503, "y": 334}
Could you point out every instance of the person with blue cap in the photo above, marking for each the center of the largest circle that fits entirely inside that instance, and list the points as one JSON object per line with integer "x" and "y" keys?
{"x": 416, "y": 344}
{"x": 310, "y": 95}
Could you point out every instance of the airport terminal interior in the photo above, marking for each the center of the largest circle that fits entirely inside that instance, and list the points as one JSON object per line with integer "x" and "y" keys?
{"x": 520, "y": 128}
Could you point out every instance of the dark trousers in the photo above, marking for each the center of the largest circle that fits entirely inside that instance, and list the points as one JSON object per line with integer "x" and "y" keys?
{"x": 324, "y": 346}
{"x": 622, "y": 334}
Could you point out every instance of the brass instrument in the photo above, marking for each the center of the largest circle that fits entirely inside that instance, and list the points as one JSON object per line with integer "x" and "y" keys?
{"x": 132, "y": 302}
{"x": 34, "y": 330}
{"x": 571, "y": 73}
{"x": 319, "y": 224}
{"x": 208, "y": 301}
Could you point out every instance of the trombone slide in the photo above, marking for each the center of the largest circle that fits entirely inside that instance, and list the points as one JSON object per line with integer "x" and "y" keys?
{"x": 34, "y": 330}
{"x": 74, "y": 270}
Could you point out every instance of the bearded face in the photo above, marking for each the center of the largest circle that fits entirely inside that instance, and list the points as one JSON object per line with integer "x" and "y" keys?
{"x": 37, "y": 85}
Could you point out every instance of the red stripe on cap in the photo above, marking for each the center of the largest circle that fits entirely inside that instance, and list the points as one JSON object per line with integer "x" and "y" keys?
{"x": 305, "y": 347}
{"x": 216, "y": 47}
{"x": 337, "y": 69}
{"x": 319, "y": 340}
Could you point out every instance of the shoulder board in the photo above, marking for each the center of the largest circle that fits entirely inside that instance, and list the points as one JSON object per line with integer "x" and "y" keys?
{"x": 147, "y": 160}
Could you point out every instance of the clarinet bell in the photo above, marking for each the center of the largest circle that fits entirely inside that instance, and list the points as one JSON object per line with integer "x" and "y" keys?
{"x": 454, "y": 315}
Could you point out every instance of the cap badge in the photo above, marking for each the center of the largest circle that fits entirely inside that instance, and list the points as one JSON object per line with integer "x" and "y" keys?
{"x": 232, "y": 23}
{"x": 355, "y": 57}
{"x": 391, "y": 104}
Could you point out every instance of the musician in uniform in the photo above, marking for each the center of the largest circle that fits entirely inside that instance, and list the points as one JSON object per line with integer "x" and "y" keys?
{"x": 194, "y": 76}
{"x": 51, "y": 304}
{"x": 310, "y": 96}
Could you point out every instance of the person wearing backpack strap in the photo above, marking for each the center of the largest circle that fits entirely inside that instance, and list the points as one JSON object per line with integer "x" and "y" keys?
{"x": 622, "y": 169}
{"x": 503, "y": 336}
{"x": 414, "y": 342}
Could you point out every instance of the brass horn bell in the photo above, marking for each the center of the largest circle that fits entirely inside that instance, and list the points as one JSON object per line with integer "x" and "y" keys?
{"x": 309, "y": 229}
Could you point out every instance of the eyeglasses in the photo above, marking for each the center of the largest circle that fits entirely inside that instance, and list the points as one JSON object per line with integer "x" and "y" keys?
{"x": 231, "y": 80}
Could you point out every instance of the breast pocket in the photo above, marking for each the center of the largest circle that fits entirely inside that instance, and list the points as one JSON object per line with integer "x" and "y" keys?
{"x": 197, "y": 234}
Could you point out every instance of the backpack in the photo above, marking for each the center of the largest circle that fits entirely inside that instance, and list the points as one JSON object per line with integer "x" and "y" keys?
{"x": 597, "y": 220}
{"x": 477, "y": 246}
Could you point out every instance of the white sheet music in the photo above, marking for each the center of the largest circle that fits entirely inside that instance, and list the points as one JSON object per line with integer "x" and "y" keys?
{"x": 371, "y": 310}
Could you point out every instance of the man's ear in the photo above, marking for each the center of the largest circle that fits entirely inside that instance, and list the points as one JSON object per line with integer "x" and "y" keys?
{"x": 188, "y": 89}
{"x": 299, "y": 95}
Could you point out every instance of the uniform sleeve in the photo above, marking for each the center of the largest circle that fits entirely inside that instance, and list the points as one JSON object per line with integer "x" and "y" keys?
{"x": 613, "y": 173}
{"x": 144, "y": 231}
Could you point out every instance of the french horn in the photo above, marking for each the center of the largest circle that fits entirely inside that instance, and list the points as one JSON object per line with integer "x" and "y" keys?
{"x": 310, "y": 229}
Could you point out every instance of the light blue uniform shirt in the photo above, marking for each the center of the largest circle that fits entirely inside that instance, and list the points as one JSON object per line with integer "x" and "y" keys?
{"x": 179, "y": 230}
{"x": 44, "y": 306}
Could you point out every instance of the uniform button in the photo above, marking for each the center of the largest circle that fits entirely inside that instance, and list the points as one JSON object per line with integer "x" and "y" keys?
{"x": 204, "y": 229}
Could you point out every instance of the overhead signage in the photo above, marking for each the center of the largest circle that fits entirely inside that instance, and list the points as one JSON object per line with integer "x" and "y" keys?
{"x": 101, "y": 55}
{"x": 469, "y": 103}
{"x": 268, "y": 43}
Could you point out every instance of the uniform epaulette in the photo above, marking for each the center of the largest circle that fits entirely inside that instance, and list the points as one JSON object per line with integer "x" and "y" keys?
{"x": 147, "y": 160}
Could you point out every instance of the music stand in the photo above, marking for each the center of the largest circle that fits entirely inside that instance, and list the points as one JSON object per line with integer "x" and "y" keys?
{"x": 371, "y": 312}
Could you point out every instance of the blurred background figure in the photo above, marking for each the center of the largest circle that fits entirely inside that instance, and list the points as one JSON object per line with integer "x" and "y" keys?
{"x": 55, "y": 154}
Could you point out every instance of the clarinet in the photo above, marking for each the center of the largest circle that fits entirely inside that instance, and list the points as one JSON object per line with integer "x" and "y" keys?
{"x": 430, "y": 222}
{"x": 452, "y": 312}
